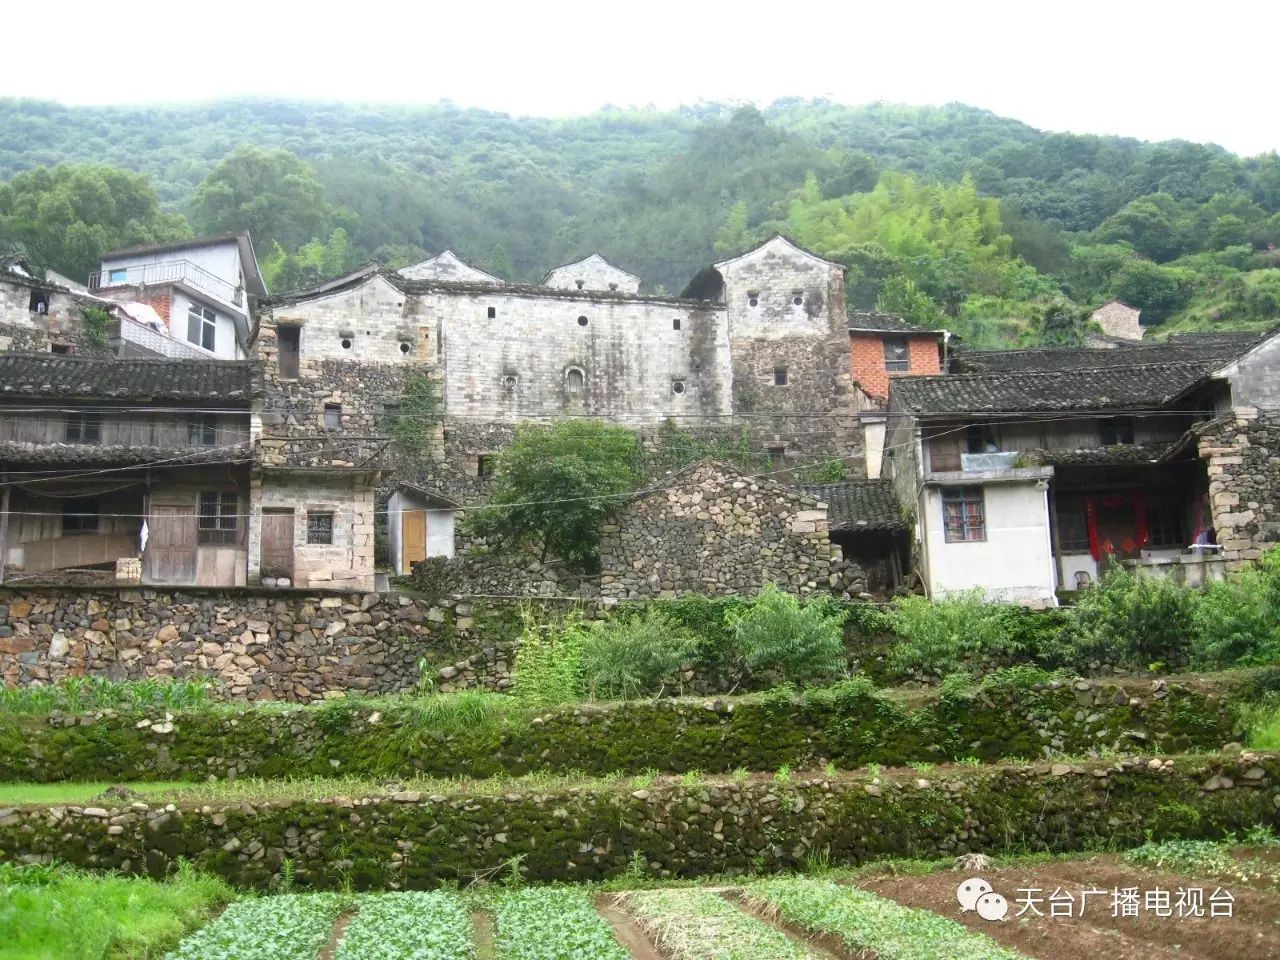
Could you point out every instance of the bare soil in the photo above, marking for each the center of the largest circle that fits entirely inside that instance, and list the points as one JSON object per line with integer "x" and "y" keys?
{"x": 483, "y": 935}
{"x": 1252, "y": 933}
{"x": 627, "y": 930}
{"x": 335, "y": 936}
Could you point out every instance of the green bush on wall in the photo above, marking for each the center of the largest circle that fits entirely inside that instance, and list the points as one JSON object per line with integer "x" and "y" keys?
{"x": 800, "y": 642}
{"x": 630, "y": 658}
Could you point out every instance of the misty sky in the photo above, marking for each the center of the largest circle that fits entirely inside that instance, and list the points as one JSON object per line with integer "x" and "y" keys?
{"x": 1195, "y": 71}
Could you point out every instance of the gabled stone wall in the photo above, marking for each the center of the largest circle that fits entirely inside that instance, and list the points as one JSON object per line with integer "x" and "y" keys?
{"x": 710, "y": 530}
{"x": 22, "y": 329}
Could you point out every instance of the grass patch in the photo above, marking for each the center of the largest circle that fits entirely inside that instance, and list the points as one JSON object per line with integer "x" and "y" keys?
{"x": 78, "y": 695}
{"x": 77, "y": 793}
{"x": 1262, "y": 724}
{"x": 58, "y": 914}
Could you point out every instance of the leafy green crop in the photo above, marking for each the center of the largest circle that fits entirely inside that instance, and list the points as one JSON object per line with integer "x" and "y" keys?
{"x": 408, "y": 926}
{"x": 553, "y": 924}
{"x": 700, "y": 925}
{"x": 288, "y": 927}
{"x": 866, "y": 922}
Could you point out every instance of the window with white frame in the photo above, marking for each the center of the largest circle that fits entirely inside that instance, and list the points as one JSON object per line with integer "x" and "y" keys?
{"x": 897, "y": 358}
{"x": 202, "y": 327}
{"x": 964, "y": 517}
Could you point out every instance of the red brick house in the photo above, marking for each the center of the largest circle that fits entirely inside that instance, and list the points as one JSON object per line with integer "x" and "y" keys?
{"x": 882, "y": 345}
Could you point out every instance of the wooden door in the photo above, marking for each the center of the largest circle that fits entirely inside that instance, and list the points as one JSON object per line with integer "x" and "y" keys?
{"x": 171, "y": 545}
{"x": 413, "y": 531}
{"x": 277, "y": 543}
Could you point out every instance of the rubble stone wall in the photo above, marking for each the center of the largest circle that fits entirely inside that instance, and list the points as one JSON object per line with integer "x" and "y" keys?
{"x": 1243, "y": 462}
{"x": 408, "y": 839}
{"x": 712, "y": 531}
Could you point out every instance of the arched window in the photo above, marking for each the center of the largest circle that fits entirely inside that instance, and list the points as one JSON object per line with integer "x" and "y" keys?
{"x": 575, "y": 381}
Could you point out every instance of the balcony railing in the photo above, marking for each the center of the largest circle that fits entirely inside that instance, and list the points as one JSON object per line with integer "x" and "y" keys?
{"x": 170, "y": 271}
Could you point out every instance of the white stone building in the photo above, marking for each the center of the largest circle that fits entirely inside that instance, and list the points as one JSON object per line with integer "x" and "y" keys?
{"x": 591, "y": 273}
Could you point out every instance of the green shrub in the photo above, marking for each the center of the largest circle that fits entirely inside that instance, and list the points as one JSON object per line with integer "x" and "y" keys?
{"x": 943, "y": 636}
{"x": 704, "y": 618}
{"x": 1237, "y": 620}
{"x": 633, "y": 657}
{"x": 1135, "y": 620}
{"x": 800, "y": 641}
{"x": 548, "y": 664}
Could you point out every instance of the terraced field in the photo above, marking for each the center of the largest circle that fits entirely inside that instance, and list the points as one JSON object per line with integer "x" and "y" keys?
{"x": 881, "y": 915}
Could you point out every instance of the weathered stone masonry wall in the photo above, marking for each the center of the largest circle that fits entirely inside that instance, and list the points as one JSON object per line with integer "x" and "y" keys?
{"x": 411, "y": 840}
{"x": 1243, "y": 462}
{"x": 718, "y": 533}
{"x": 21, "y": 329}
{"x": 261, "y": 646}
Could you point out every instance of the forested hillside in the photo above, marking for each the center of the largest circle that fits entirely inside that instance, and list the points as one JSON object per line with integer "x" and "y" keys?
{"x": 950, "y": 215}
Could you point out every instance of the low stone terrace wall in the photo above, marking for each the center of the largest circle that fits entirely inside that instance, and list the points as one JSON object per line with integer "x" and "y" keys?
{"x": 260, "y": 645}
{"x": 849, "y": 724}
{"x": 406, "y": 839}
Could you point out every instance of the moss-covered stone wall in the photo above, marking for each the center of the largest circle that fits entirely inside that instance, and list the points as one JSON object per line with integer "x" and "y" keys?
{"x": 850, "y": 725}
{"x": 667, "y": 828}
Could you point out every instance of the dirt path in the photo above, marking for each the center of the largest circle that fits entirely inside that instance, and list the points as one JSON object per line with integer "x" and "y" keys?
{"x": 627, "y": 930}
{"x": 1251, "y": 934}
{"x": 335, "y": 937}
{"x": 483, "y": 935}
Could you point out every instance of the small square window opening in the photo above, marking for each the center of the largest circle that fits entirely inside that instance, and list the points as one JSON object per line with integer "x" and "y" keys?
{"x": 779, "y": 376}
{"x": 320, "y": 527}
{"x": 217, "y": 524}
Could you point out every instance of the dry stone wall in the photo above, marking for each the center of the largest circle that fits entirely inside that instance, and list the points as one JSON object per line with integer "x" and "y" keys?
{"x": 260, "y": 645}
{"x": 848, "y": 725}
{"x": 711, "y": 530}
{"x": 1243, "y": 457}
{"x": 412, "y": 838}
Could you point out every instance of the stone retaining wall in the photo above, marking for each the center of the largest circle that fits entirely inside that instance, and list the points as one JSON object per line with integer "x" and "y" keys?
{"x": 410, "y": 839}
{"x": 849, "y": 725}
{"x": 260, "y": 645}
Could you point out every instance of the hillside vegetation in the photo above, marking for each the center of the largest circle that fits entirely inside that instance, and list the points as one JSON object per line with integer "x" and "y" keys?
{"x": 952, "y": 215}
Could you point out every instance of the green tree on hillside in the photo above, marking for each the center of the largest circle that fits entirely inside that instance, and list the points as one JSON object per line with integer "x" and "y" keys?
{"x": 271, "y": 193}
{"x": 556, "y": 484}
{"x": 66, "y": 217}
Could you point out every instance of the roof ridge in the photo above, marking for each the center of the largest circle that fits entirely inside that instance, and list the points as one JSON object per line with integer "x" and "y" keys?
{"x": 1070, "y": 371}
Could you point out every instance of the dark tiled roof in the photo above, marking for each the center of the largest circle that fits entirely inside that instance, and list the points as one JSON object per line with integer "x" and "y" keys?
{"x": 1213, "y": 347}
{"x": 859, "y": 505}
{"x": 885, "y": 323}
{"x": 1139, "y": 386}
{"x": 73, "y": 453}
{"x": 52, "y": 376}
{"x": 1098, "y": 456}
